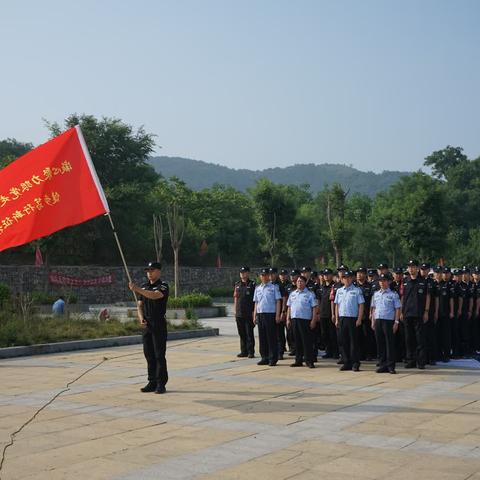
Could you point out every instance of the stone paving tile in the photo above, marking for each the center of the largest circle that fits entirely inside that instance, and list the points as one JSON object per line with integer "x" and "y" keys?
{"x": 227, "y": 418}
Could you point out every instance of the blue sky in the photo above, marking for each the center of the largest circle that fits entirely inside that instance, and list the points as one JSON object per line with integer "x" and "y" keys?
{"x": 252, "y": 84}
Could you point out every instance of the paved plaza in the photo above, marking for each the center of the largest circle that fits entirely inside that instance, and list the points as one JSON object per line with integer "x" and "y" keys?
{"x": 227, "y": 418}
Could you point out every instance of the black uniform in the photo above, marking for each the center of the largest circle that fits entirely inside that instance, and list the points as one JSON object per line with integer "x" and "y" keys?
{"x": 368, "y": 346}
{"x": 281, "y": 337}
{"x": 415, "y": 293}
{"x": 290, "y": 331}
{"x": 400, "y": 335}
{"x": 430, "y": 334}
{"x": 443, "y": 294}
{"x": 155, "y": 333}
{"x": 327, "y": 326}
{"x": 243, "y": 292}
{"x": 466, "y": 292}
{"x": 476, "y": 320}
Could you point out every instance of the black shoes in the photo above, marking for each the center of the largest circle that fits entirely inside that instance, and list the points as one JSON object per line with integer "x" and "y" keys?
{"x": 356, "y": 367}
{"x": 392, "y": 371}
{"x": 160, "y": 389}
{"x": 280, "y": 357}
{"x": 382, "y": 370}
{"x": 297, "y": 364}
{"x": 251, "y": 355}
{"x": 272, "y": 364}
{"x": 242, "y": 355}
{"x": 149, "y": 387}
{"x": 344, "y": 368}
{"x": 262, "y": 362}
{"x": 340, "y": 361}
{"x": 310, "y": 365}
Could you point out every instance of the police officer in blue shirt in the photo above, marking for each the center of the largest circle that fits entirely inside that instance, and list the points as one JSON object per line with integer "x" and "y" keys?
{"x": 302, "y": 305}
{"x": 386, "y": 308}
{"x": 267, "y": 313}
{"x": 349, "y": 307}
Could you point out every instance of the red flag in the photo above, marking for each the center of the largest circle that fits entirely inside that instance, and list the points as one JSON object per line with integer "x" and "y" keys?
{"x": 219, "y": 261}
{"x": 52, "y": 187}
{"x": 38, "y": 257}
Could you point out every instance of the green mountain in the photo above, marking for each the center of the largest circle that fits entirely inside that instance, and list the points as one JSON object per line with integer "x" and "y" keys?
{"x": 198, "y": 174}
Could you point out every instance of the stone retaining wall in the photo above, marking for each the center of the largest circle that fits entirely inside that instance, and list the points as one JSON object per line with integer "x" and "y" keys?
{"x": 23, "y": 279}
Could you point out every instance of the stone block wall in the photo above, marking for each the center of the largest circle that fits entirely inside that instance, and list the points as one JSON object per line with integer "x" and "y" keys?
{"x": 23, "y": 279}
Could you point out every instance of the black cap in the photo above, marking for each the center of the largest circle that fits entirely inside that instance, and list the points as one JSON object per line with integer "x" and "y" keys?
{"x": 306, "y": 269}
{"x": 412, "y": 263}
{"x": 465, "y": 269}
{"x": 264, "y": 271}
{"x": 273, "y": 270}
{"x": 362, "y": 270}
{"x": 382, "y": 265}
{"x": 342, "y": 267}
{"x": 153, "y": 266}
{"x": 384, "y": 276}
{"x": 295, "y": 271}
{"x": 456, "y": 271}
{"x": 371, "y": 272}
{"x": 245, "y": 269}
{"x": 314, "y": 274}
{"x": 283, "y": 271}
{"x": 447, "y": 270}
{"x": 425, "y": 266}
{"x": 476, "y": 269}
{"x": 437, "y": 269}
{"x": 327, "y": 271}
{"x": 398, "y": 270}
{"x": 348, "y": 273}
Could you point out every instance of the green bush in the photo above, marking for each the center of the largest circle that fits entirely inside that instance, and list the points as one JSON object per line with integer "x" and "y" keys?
{"x": 192, "y": 300}
{"x": 221, "y": 292}
{"x": 46, "y": 298}
{"x": 4, "y": 294}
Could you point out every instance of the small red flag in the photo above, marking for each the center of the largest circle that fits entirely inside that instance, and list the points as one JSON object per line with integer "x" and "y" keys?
{"x": 38, "y": 257}
{"x": 51, "y": 187}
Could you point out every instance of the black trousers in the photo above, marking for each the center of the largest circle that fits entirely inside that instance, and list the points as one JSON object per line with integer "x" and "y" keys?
{"x": 291, "y": 339}
{"x": 369, "y": 345}
{"x": 385, "y": 343}
{"x": 349, "y": 341}
{"x": 154, "y": 348}
{"x": 317, "y": 340}
{"x": 476, "y": 333}
{"x": 267, "y": 334}
{"x": 444, "y": 342}
{"x": 431, "y": 340}
{"x": 281, "y": 338}
{"x": 415, "y": 340}
{"x": 305, "y": 337}
{"x": 245, "y": 328}
{"x": 455, "y": 335}
{"x": 329, "y": 333}
{"x": 465, "y": 334}
{"x": 400, "y": 352}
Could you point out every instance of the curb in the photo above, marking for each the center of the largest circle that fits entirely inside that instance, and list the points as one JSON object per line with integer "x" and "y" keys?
{"x": 44, "y": 348}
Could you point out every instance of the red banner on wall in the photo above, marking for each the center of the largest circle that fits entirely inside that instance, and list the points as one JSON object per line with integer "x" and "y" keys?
{"x": 52, "y": 187}
{"x": 60, "y": 279}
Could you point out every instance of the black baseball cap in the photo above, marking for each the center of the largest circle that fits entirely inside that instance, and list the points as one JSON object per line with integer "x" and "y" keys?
{"x": 384, "y": 276}
{"x": 342, "y": 267}
{"x": 273, "y": 270}
{"x": 447, "y": 270}
{"x": 476, "y": 270}
{"x": 245, "y": 269}
{"x": 456, "y": 271}
{"x": 398, "y": 270}
{"x": 283, "y": 271}
{"x": 437, "y": 269}
{"x": 295, "y": 271}
{"x": 153, "y": 266}
{"x": 362, "y": 270}
{"x": 382, "y": 265}
{"x": 425, "y": 266}
{"x": 327, "y": 271}
{"x": 306, "y": 269}
{"x": 371, "y": 272}
{"x": 348, "y": 273}
{"x": 265, "y": 271}
{"x": 465, "y": 269}
{"x": 413, "y": 263}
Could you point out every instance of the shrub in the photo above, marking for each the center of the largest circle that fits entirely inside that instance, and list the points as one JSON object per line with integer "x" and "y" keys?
{"x": 221, "y": 292}
{"x": 4, "y": 294}
{"x": 46, "y": 298}
{"x": 192, "y": 300}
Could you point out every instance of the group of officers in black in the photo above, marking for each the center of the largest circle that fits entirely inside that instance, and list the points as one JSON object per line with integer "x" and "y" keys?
{"x": 438, "y": 314}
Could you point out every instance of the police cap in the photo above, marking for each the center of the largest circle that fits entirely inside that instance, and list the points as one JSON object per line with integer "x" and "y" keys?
{"x": 425, "y": 266}
{"x": 413, "y": 263}
{"x": 383, "y": 276}
{"x": 465, "y": 269}
{"x": 371, "y": 272}
{"x": 398, "y": 270}
{"x": 342, "y": 268}
{"x": 283, "y": 271}
{"x": 476, "y": 269}
{"x": 447, "y": 270}
{"x": 153, "y": 266}
{"x": 456, "y": 271}
{"x": 295, "y": 272}
{"x": 348, "y": 273}
{"x": 306, "y": 269}
{"x": 264, "y": 271}
{"x": 437, "y": 269}
{"x": 381, "y": 266}
{"x": 245, "y": 269}
{"x": 362, "y": 270}
{"x": 327, "y": 271}
{"x": 273, "y": 270}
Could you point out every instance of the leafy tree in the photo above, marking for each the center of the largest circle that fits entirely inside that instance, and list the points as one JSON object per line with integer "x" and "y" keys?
{"x": 11, "y": 149}
{"x": 443, "y": 161}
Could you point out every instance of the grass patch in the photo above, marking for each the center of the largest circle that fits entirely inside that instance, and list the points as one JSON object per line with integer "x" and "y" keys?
{"x": 192, "y": 300}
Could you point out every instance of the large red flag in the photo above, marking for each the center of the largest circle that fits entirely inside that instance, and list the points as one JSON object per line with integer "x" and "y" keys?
{"x": 52, "y": 187}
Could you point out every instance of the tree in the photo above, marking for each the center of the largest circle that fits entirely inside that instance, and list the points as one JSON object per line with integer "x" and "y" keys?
{"x": 158, "y": 235}
{"x": 11, "y": 149}
{"x": 443, "y": 161}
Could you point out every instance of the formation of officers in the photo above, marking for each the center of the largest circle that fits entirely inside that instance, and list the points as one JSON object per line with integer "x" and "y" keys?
{"x": 418, "y": 315}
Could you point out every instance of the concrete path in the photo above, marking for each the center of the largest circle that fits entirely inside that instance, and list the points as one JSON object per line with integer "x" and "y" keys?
{"x": 227, "y": 418}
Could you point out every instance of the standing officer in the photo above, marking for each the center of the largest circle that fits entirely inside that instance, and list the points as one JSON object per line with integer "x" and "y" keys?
{"x": 443, "y": 315}
{"x": 467, "y": 289}
{"x": 349, "y": 308}
{"x": 456, "y": 294}
{"x": 267, "y": 311}
{"x": 327, "y": 321}
{"x": 476, "y": 311}
{"x": 292, "y": 286}
{"x": 386, "y": 309}
{"x": 281, "y": 324}
{"x": 302, "y": 306}
{"x": 337, "y": 285}
{"x": 151, "y": 309}
{"x": 415, "y": 312}
{"x": 367, "y": 336}
{"x": 397, "y": 286}
{"x": 372, "y": 277}
{"x": 243, "y": 305}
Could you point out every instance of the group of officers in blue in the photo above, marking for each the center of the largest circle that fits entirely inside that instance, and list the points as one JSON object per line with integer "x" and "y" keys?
{"x": 418, "y": 315}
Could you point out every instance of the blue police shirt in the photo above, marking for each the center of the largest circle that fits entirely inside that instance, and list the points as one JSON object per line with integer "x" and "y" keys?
{"x": 58, "y": 308}
{"x": 301, "y": 303}
{"x": 348, "y": 299}
{"x": 266, "y": 296}
{"x": 385, "y": 303}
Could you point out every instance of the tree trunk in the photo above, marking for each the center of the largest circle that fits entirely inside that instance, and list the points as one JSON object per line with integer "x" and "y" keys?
{"x": 176, "y": 271}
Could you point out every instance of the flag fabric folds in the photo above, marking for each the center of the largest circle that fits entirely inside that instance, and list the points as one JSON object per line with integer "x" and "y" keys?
{"x": 51, "y": 187}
